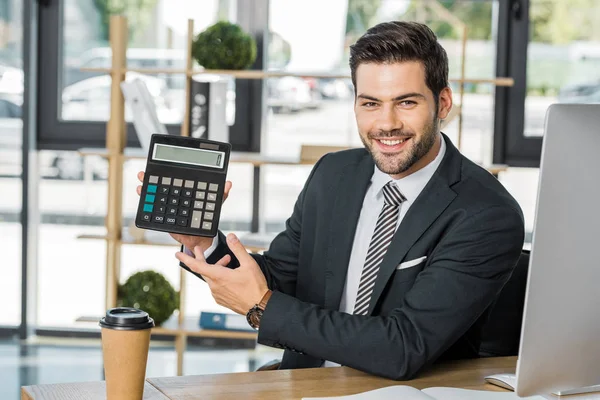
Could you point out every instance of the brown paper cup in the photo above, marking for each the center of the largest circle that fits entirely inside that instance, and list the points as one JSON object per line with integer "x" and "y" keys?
{"x": 125, "y": 344}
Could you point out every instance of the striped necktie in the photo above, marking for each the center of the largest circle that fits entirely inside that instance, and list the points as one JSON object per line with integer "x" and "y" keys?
{"x": 380, "y": 241}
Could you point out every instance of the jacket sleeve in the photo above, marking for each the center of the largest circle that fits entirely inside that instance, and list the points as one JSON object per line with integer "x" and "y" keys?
{"x": 464, "y": 274}
{"x": 280, "y": 263}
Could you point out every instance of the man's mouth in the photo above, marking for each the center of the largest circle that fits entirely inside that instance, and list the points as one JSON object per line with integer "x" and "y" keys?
{"x": 391, "y": 145}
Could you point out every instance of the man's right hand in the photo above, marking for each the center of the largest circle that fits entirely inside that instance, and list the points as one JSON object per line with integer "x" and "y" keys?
{"x": 189, "y": 241}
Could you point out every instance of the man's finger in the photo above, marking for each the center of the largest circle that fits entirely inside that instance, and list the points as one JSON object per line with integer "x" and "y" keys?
{"x": 140, "y": 176}
{"x": 238, "y": 249}
{"x": 139, "y": 190}
{"x": 228, "y": 185}
{"x": 198, "y": 266}
{"x": 224, "y": 261}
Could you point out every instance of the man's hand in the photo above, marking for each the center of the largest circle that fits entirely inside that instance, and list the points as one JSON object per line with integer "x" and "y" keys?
{"x": 237, "y": 289}
{"x": 189, "y": 241}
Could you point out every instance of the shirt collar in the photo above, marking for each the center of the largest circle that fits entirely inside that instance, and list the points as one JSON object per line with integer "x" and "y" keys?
{"x": 411, "y": 185}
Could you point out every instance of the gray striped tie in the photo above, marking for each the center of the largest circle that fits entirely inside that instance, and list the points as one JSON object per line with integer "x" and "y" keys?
{"x": 382, "y": 237}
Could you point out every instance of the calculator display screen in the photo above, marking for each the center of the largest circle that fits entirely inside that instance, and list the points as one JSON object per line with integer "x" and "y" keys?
{"x": 187, "y": 155}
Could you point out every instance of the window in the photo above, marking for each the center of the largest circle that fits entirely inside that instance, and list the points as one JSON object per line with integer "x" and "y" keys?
{"x": 319, "y": 111}
{"x": 75, "y": 103}
{"x": 11, "y": 136}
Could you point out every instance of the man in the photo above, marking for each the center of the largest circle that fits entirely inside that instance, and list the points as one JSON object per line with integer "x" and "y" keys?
{"x": 392, "y": 254}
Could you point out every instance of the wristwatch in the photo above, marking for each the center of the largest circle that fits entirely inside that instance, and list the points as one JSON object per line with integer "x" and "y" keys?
{"x": 255, "y": 313}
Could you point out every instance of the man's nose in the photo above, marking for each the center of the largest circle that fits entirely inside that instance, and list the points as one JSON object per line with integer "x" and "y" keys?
{"x": 388, "y": 119}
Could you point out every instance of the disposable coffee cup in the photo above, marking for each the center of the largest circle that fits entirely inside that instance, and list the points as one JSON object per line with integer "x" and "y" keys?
{"x": 125, "y": 343}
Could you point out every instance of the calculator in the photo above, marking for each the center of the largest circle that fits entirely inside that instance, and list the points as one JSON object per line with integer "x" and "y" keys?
{"x": 183, "y": 185}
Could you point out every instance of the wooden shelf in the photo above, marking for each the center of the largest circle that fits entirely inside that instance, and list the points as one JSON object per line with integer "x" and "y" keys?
{"x": 254, "y": 74}
{"x": 253, "y": 242}
{"x": 190, "y": 328}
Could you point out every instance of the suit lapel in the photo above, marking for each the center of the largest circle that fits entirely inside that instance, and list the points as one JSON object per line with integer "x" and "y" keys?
{"x": 433, "y": 200}
{"x": 350, "y": 194}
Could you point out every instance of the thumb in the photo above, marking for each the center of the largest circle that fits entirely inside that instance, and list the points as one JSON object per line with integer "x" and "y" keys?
{"x": 238, "y": 249}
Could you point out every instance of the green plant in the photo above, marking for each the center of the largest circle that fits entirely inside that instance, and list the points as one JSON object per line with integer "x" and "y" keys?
{"x": 224, "y": 45}
{"x": 149, "y": 291}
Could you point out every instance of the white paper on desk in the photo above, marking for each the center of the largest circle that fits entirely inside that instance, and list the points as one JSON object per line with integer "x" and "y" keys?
{"x": 390, "y": 392}
{"x": 434, "y": 393}
{"x": 445, "y": 393}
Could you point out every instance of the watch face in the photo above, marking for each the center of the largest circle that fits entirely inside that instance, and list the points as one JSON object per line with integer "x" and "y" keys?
{"x": 253, "y": 317}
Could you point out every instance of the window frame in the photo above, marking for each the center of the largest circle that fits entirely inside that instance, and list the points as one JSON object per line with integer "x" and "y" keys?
{"x": 511, "y": 146}
{"x": 56, "y": 134}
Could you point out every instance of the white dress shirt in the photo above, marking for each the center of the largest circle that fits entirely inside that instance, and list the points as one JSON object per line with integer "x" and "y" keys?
{"x": 410, "y": 186}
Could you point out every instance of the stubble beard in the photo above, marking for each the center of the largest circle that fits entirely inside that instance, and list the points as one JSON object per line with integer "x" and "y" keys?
{"x": 398, "y": 163}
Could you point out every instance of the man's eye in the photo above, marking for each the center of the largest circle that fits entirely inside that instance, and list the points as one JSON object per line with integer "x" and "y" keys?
{"x": 369, "y": 104}
{"x": 407, "y": 103}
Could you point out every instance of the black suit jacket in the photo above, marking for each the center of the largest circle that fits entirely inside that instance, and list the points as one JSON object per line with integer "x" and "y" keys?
{"x": 464, "y": 221}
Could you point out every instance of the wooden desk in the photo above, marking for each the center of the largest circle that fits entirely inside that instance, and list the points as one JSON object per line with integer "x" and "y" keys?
{"x": 79, "y": 391}
{"x": 317, "y": 382}
{"x": 286, "y": 384}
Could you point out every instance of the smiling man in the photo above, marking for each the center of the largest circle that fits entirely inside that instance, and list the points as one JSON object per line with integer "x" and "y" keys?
{"x": 393, "y": 253}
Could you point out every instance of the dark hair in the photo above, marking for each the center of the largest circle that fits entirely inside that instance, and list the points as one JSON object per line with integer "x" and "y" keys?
{"x": 397, "y": 41}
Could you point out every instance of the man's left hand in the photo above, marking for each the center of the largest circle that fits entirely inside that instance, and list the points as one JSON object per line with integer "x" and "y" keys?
{"x": 237, "y": 289}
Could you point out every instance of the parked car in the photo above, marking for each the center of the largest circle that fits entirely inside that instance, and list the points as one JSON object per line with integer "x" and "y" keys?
{"x": 580, "y": 93}
{"x": 291, "y": 94}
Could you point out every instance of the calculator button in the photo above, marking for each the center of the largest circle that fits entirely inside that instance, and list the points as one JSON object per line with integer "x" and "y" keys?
{"x": 207, "y": 225}
{"x": 184, "y": 212}
{"x": 186, "y": 202}
{"x": 146, "y": 217}
{"x": 196, "y": 217}
{"x": 199, "y": 204}
{"x": 149, "y": 198}
{"x": 174, "y": 201}
{"x": 200, "y": 195}
{"x": 188, "y": 193}
{"x": 151, "y": 189}
{"x": 202, "y": 185}
{"x": 177, "y": 182}
{"x": 162, "y": 199}
{"x": 189, "y": 184}
{"x": 210, "y": 206}
{"x": 166, "y": 181}
{"x": 153, "y": 179}
{"x": 161, "y": 209}
{"x": 212, "y": 197}
{"x": 208, "y": 216}
{"x": 148, "y": 207}
{"x": 175, "y": 191}
{"x": 172, "y": 210}
{"x": 159, "y": 219}
{"x": 182, "y": 221}
{"x": 163, "y": 190}
{"x": 213, "y": 187}
{"x": 171, "y": 220}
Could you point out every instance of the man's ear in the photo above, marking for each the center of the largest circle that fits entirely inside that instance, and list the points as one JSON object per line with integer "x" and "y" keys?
{"x": 444, "y": 103}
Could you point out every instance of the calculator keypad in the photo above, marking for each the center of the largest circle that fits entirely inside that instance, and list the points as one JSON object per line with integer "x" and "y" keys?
{"x": 180, "y": 202}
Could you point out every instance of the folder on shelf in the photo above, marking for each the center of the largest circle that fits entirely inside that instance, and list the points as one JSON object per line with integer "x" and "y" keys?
{"x": 222, "y": 321}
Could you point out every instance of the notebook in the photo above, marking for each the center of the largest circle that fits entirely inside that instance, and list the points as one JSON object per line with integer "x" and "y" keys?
{"x": 433, "y": 393}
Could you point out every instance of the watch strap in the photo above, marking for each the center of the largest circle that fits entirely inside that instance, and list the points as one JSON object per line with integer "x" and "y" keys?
{"x": 263, "y": 302}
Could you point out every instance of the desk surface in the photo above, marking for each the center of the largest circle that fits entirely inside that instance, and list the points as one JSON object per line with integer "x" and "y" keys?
{"x": 286, "y": 384}
{"x": 295, "y": 384}
{"x": 79, "y": 391}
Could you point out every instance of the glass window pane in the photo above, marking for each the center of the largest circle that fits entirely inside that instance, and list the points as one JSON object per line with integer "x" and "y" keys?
{"x": 563, "y": 57}
{"x": 319, "y": 111}
{"x": 157, "y": 39}
{"x": 11, "y": 136}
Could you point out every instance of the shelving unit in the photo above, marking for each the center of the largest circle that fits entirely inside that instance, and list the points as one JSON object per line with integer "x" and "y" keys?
{"x": 115, "y": 153}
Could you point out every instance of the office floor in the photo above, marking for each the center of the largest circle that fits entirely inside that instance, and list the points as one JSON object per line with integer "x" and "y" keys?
{"x": 76, "y": 360}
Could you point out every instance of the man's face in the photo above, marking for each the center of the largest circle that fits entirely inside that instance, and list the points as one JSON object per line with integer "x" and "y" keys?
{"x": 397, "y": 117}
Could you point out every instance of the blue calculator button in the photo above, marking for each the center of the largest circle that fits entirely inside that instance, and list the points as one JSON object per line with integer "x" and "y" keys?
{"x": 149, "y": 198}
{"x": 148, "y": 207}
{"x": 151, "y": 189}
